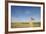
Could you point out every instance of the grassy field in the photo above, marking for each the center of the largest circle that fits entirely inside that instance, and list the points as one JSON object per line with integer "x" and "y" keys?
{"x": 25, "y": 24}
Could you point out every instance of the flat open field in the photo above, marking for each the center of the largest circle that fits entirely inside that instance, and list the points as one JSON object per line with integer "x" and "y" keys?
{"x": 25, "y": 24}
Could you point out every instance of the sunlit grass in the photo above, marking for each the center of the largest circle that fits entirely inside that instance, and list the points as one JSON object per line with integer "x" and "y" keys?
{"x": 25, "y": 24}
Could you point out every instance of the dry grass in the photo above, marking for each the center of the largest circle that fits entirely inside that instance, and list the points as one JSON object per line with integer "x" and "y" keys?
{"x": 25, "y": 24}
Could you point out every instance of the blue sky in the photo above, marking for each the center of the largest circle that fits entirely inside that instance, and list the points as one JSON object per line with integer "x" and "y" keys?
{"x": 23, "y": 13}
